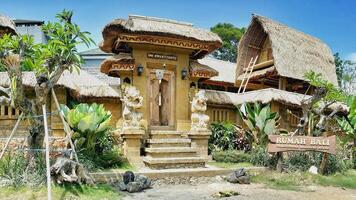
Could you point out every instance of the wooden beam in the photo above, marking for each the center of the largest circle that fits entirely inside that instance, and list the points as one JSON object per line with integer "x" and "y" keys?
{"x": 262, "y": 65}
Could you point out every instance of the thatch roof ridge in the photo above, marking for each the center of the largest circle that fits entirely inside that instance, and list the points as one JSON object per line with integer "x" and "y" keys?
{"x": 294, "y": 52}
{"x": 82, "y": 84}
{"x": 7, "y": 23}
{"x": 263, "y": 96}
{"x": 155, "y": 26}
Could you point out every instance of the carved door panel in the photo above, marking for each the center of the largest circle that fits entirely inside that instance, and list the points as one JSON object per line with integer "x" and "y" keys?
{"x": 154, "y": 102}
{"x": 165, "y": 103}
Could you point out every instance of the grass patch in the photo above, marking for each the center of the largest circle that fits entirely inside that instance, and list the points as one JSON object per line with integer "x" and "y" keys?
{"x": 299, "y": 181}
{"x": 77, "y": 192}
{"x": 346, "y": 179}
{"x": 230, "y": 165}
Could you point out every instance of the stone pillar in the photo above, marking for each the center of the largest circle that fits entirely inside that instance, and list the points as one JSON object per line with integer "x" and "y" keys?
{"x": 200, "y": 138}
{"x": 132, "y": 145}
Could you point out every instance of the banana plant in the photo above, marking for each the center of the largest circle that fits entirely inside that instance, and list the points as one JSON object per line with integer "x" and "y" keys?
{"x": 259, "y": 120}
{"x": 89, "y": 123}
{"x": 348, "y": 125}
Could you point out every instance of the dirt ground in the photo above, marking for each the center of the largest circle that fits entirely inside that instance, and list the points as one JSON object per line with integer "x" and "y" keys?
{"x": 252, "y": 191}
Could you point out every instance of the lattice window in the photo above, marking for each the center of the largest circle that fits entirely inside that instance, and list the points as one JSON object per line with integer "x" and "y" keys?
{"x": 7, "y": 112}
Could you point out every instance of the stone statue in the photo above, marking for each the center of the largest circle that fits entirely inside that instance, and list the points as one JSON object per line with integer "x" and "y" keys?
{"x": 199, "y": 105}
{"x": 131, "y": 100}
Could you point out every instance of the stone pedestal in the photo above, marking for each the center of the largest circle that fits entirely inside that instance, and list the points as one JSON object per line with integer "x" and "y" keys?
{"x": 132, "y": 145}
{"x": 200, "y": 138}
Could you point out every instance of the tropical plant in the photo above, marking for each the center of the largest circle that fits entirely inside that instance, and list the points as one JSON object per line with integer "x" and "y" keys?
{"x": 90, "y": 124}
{"x": 348, "y": 125}
{"x": 223, "y": 137}
{"x": 260, "y": 121}
{"x": 48, "y": 61}
{"x": 92, "y": 135}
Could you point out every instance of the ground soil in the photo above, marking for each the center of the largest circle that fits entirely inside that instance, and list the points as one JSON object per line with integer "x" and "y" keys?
{"x": 252, "y": 191}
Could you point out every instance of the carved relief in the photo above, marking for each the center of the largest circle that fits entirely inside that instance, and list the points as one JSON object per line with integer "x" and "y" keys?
{"x": 131, "y": 101}
{"x": 199, "y": 105}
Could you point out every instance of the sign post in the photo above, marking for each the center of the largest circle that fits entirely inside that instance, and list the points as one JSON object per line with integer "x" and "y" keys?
{"x": 279, "y": 143}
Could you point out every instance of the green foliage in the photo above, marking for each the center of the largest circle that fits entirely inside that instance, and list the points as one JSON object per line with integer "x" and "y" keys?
{"x": 92, "y": 135}
{"x": 260, "y": 157}
{"x": 346, "y": 73}
{"x": 348, "y": 125}
{"x": 231, "y": 156}
{"x": 14, "y": 168}
{"x": 230, "y": 36}
{"x": 332, "y": 92}
{"x": 260, "y": 121}
{"x": 224, "y": 136}
{"x": 63, "y": 37}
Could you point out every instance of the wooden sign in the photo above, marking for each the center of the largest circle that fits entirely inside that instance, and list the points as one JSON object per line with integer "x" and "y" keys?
{"x": 279, "y": 143}
{"x": 162, "y": 56}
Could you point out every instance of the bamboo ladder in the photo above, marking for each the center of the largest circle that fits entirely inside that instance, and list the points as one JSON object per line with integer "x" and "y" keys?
{"x": 247, "y": 75}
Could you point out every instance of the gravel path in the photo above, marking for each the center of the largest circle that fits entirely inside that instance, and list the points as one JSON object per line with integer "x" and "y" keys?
{"x": 252, "y": 191}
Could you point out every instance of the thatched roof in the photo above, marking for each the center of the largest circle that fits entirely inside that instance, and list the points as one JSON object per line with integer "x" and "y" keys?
{"x": 226, "y": 70}
{"x": 262, "y": 96}
{"x": 152, "y": 26}
{"x": 82, "y": 85}
{"x": 201, "y": 71}
{"x": 7, "y": 23}
{"x": 294, "y": 52}
{"x": 123, "y": 60}
{"x": 259, "y": 73}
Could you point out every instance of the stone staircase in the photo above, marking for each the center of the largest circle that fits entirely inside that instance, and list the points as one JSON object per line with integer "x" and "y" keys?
{"x": 171, "y": 149}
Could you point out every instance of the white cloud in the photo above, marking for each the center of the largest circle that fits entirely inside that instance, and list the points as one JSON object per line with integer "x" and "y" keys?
{"x": 352, "y": 57}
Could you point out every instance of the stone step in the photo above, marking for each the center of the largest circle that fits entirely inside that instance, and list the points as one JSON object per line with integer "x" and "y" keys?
{"x": 169, "y": 152}
{"x": 169, "y": 163}
{"x": 159, "y": 134}
{"x": 181, "y": 142}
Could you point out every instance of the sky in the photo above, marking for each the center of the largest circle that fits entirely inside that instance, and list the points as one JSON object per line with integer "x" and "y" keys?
{"x": 332, "y": 21}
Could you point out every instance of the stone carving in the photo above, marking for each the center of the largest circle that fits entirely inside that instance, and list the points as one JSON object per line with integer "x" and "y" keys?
{"x": 133, "y": 183}
{"x": 132, "y": 101}
{"x": 199, "y": 105}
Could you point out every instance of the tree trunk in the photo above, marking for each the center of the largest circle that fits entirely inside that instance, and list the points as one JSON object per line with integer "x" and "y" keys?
{"x": 324, "y": 162}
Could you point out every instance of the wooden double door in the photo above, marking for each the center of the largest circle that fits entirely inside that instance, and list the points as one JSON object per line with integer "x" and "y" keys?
{"x": 161, "y": 101}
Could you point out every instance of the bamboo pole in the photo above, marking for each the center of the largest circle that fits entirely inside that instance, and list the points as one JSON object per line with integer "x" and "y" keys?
{"x": 12, "y": 134}
{"x": 49, "y": 196}
{"x": 66, "y": 127}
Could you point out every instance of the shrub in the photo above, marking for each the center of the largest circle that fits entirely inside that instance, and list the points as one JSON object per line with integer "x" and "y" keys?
{"x": 231, "y": 156}
{"x": 92, "y": 136}
{"x": 260, "y": 157}
{"x": 227, "y": 136}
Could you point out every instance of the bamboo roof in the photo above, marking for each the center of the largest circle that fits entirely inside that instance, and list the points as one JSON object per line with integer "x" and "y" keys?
{"x": 294, "y": 52}
{"x": 7, "y": 23}
{"x": 81, "y": 85}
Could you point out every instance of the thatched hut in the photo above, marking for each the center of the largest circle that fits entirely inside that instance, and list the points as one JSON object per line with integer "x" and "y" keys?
{"x": 71, "y": 87}
{"x": 284, "y": 56}
{"x": 6, "y": 25}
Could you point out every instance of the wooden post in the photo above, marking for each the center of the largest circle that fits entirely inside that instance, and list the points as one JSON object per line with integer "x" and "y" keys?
{"x": 49, "y": 197}
{"x": 66, "y": 127}
{"x": 12, "y": 134}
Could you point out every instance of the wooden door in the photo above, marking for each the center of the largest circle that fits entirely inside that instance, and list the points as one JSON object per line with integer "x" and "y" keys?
{"x": 161, "y": 98}
{"x": 154, "y": 102}
{"x": 165, "y": 102}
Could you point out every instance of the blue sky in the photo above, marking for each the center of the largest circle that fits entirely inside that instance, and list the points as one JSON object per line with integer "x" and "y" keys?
{"x": 332, "y": 21}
